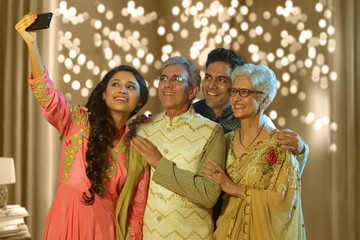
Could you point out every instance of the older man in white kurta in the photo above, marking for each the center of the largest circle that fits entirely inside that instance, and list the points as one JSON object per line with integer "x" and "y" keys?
{"x": 176, "y": 143}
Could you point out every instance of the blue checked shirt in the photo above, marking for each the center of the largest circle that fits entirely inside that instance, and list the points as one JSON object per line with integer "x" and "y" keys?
{"x": 227, "y": 120}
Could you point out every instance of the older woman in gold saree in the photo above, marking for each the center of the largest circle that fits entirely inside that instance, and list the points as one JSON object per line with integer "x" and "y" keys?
{"x": 262, "y": 182}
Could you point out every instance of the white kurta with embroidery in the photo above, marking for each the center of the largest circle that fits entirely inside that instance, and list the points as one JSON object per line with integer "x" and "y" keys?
{"x": 180, "y": 198}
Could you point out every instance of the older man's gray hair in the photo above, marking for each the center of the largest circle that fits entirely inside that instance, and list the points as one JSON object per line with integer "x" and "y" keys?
{"x": 190, "y": 67}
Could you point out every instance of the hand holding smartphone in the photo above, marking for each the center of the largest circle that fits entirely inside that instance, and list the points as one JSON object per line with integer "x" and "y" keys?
{"x": 42, "y": 21}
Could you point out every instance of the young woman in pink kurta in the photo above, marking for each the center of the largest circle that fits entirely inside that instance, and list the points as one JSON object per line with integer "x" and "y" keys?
{"x": 94, "y": 164}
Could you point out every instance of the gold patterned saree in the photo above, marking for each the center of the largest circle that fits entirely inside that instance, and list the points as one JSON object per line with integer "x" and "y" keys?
{"x": 271, "y": 208}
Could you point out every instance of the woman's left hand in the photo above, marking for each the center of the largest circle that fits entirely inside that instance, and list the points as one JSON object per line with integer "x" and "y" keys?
{"x": 27, "y": 20}
{"x": 216, "y": 173}
{"x": 147, "y": 150}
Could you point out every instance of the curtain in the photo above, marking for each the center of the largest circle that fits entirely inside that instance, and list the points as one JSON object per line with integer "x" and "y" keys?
{"x": 345, "y": 110}
{"x": 25, "y": 135}
{"x": 330, "y": 181}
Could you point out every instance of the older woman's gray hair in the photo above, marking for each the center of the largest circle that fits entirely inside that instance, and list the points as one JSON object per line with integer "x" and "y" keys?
{"x": 261, "y": 78}
{"x": 194, "y": 72}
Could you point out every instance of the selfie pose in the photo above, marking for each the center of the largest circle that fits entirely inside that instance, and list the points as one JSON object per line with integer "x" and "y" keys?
{"x": 97, "y": 175}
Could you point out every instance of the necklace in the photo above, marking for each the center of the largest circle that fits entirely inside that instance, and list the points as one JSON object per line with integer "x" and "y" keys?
{"x": 252, "y": 140}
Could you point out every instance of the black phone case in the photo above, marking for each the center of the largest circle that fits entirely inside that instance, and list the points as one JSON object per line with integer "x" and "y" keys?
{"x": 42, "y": 21}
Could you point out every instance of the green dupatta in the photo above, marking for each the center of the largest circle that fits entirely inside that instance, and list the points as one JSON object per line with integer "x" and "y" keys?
{"x": 136, "y": 169}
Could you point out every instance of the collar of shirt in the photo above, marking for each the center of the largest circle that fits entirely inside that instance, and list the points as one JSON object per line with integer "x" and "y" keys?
{"x": 226, "y": 113}
{"x": 209, "y": 112}
{"x": 227, "y": 120}
{"x": 178, "y": 119}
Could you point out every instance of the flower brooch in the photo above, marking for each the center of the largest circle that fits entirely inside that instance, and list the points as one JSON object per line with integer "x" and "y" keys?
{"x": 270, "y": 160}
{"x": 272, "y": 157}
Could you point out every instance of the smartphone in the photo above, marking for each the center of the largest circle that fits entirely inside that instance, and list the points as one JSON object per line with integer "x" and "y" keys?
{"x": 41, "y": 22}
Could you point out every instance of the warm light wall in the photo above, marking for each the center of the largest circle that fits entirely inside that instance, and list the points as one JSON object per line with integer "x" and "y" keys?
{"x": 294, "y": 38}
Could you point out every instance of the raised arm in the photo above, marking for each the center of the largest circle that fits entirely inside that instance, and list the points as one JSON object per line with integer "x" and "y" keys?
{"x": 53, "y": 104}
{"x": 37, "y": 66}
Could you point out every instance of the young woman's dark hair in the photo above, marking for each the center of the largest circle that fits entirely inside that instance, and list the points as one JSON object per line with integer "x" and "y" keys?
{"x": 103, "y": 130}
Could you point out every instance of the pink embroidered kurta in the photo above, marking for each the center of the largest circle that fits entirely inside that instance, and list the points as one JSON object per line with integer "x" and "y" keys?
{"x": 69, "y": 217}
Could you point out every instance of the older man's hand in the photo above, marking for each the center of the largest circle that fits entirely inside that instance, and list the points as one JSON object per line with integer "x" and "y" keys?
{"x": 147, "y": 150}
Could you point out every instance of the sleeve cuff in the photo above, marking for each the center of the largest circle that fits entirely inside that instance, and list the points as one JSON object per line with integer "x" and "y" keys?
{"x": 44, "y": 75}
{"x": 163, "y": 166}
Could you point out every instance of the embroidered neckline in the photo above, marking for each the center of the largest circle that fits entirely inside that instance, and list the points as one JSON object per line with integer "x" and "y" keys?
{"x": 251, "y": 147}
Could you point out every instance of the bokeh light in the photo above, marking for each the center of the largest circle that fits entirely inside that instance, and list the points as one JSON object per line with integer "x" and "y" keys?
{"x": 294, "y": 43}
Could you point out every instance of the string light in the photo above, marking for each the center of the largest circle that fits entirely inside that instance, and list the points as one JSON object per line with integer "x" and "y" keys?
{"x": 194, "y": 29}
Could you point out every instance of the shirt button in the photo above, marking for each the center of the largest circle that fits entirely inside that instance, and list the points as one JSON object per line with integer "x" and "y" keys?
{"x": 168, "y": 129}
{"x": 159, "y": 219}
{"x": 166, "y": 150}
{"x": 160, "y": 195}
